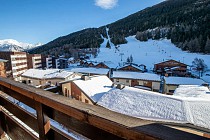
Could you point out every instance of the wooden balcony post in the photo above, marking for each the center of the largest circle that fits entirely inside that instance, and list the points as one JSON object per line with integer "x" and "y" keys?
{"x": 43, "y": 121}
{"x": 2, "y": 124}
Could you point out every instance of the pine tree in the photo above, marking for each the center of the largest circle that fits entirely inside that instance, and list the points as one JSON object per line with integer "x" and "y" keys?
{"x": 128, "y": 60}
{"x": 207, "y": 46}
{"x": 131, "y": 59}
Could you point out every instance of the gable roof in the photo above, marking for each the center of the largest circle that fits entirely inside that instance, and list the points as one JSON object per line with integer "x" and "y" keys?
{"x": 154, "y": 106}
{"x": 169, "y": 61}
{"x": 131, "y": 65}
{"x": 136, "y": 75}
{"x": 95, "y": 87}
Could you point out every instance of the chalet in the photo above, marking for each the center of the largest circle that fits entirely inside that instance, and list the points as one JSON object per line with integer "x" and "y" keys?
{"x": 90, "y": 71}
{"x": 42, "y": 78}
{"x": 101, "y": 65}
{"x": 171, "y": 83}
{"x": 132, "y": 79}
{"x": 132, "y": 67}
{"x": 3, "y": 68}
{"x": 87, "y": 89}
{"x": 171, "y": 68}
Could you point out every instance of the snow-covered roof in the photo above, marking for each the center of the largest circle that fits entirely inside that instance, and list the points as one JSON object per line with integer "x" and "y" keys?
{"x": 154, "y": 106}
{"x": 95, "y": 87}
{"x": 100, "y": 71}
{"x": 46, "y": 74}
{"x": 192, "y": 91}
{"x": 132, "y": 65}
{"x": 136, "y": 75}
{"x": 183, "y": 81}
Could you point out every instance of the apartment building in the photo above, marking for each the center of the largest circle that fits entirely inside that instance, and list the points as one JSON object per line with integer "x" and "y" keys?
{"x": 46, "y": 61}
{"x": 34, "y": 61}
{"x": 16, "y": 65}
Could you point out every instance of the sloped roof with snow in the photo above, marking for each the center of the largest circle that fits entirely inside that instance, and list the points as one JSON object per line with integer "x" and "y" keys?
{"x": 136, "y": 75}
{"x": 100, "y": 71}
{"x": 191, "y": 91}
{"x": 183, "y": 81}
{"x": 95, "y": 87}
{"x": 132, "y": 65}
{"x": 154, "y": 106}
{"x": 46, "y": 74}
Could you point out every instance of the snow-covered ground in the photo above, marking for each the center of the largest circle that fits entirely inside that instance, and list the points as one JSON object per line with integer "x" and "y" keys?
{"x": 147, "y": 53}
{"x": 153, "y": 106}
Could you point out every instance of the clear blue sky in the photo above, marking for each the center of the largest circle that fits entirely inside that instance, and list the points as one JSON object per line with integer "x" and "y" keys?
{"x": 34, "y": 21}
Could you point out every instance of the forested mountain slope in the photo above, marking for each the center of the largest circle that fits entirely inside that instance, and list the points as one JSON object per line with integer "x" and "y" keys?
{"x": 185, "y": 22}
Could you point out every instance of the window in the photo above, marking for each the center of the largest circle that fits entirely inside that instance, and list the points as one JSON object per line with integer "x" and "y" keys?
{"x": 65, "y": 92}
{"x": 127, "y": 81}
{"x": 117, "y": 80}
{"x": 86, "y": 101}
{"x": 171, "y": 91}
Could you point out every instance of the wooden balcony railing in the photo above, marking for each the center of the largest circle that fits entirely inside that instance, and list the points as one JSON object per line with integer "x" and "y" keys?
{"x": 82, "y": 120}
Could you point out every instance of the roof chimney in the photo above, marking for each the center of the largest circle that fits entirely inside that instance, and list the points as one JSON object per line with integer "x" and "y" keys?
{"x": 120, "y": 86}
{"x": 85, "y": 77}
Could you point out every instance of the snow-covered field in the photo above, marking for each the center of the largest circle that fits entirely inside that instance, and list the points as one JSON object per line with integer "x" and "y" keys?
{"x": 147, "y": 53}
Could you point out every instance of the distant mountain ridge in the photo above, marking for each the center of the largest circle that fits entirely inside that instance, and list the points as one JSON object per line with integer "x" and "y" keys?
{"x": 185, "y": 22}
{"x": 14, "y": 45}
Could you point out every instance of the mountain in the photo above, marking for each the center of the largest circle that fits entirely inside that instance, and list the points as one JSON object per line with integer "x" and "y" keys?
{"x": 185, "y": 22}
{"x": 13, "y": 45}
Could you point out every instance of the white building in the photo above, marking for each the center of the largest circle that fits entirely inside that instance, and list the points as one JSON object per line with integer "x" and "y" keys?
{"x": 38, "y": 78}
{"x": 132, "y": 79}
{"x": 171, "y": 83}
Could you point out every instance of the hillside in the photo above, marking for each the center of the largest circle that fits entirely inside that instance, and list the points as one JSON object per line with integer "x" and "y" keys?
{"x": 186, "y": 23}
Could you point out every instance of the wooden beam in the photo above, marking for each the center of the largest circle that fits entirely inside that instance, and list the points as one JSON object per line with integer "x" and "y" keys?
{"x": 14, "y": 129}
{"x": 2, "y": 133}
{"x": 19, "y": 112}
{"x": 82, "y": 127}
{"x": 43, "y": 122}
{"x": 26, "y": 100}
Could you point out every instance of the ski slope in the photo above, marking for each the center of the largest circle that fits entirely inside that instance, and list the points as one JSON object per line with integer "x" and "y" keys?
{"x": 147, "y": 53}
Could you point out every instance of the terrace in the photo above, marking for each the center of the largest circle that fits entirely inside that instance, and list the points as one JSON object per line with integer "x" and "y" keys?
{"x": 82, "y": 121}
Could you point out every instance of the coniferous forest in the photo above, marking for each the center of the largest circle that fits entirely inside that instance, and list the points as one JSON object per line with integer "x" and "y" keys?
{"x": 185, "y": 22}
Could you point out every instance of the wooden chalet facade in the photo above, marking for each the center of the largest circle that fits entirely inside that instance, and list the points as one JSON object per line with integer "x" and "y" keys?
{"x": 101, "y": 65}
{"x": 171, "y": 68}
